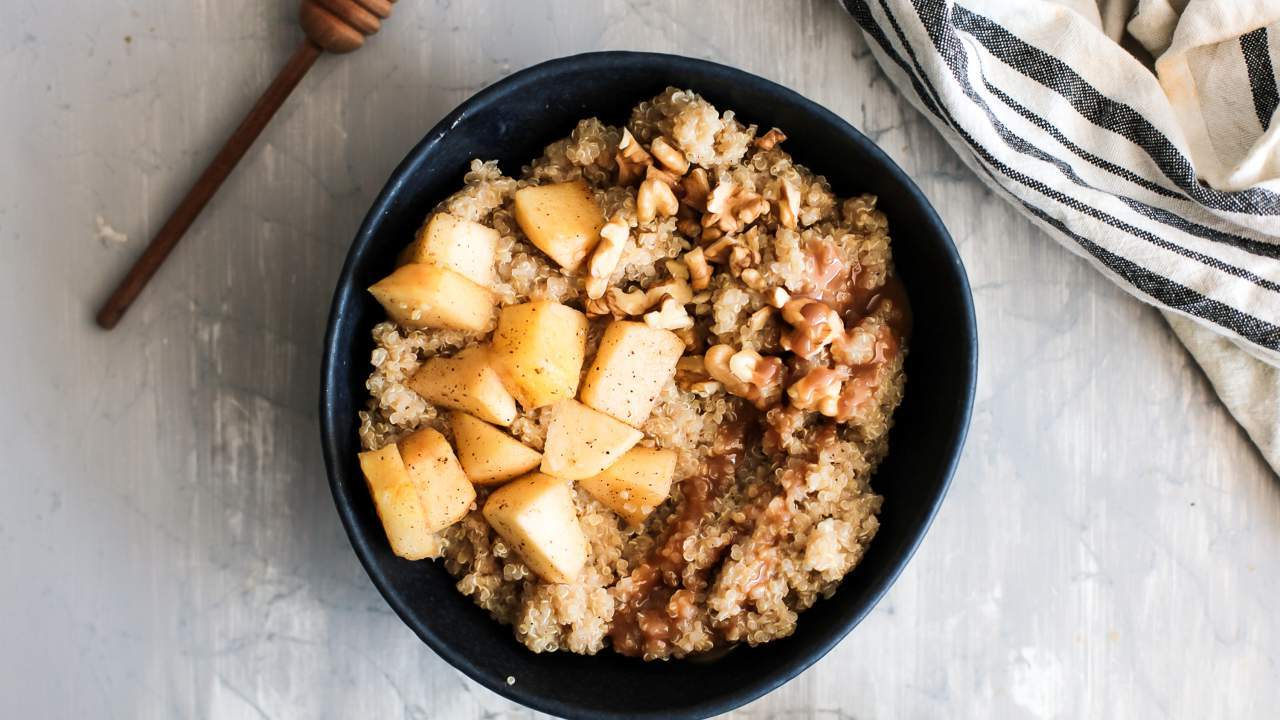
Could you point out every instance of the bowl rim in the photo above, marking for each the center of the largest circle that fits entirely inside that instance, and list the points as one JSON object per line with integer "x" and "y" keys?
{"x": 334, "y": 366}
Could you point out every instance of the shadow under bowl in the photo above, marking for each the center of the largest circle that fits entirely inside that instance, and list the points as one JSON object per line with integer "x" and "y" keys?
{"x": 511, "y": 121}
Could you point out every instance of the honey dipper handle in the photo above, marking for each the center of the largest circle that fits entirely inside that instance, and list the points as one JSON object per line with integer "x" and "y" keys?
{"x": 200, "y": 194}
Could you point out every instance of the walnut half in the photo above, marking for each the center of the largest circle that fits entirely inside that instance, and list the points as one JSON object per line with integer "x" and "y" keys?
{"x": 656, "y": 198}
{"x": 637, "y": 302}
{"x": 632, "y": 159}
{"x": 819, "y": 390}
{"x": 770, "y": 139}
{"x": 699, "y": 271}
{"x": 605, "y": 257}
{"x": 669, "y": 155}
{"x": 731, "y": 208}
{"x": 814, "y": 326}
{"x": 789, "y": 205}
{"x": 746, "y": 374}
{"x": 670, "y": 315}
{"x": 696, "y": 186}
{"x": 632, "y": 303}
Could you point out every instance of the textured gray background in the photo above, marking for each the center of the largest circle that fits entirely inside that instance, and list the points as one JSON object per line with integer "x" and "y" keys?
{"x": 168, "y": 547}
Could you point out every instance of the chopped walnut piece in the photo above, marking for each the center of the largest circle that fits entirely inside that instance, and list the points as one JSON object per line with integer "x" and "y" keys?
{"x": 605, "y": 257}
{"x": 859, "y": 393}
{"x": 751, "y": 207}
{"x": 632, "y": 303}
{"x": 870, "y": 341}
{"x": 632, "y": 159}
{"x": 669, "y": 155}
{"x": 653, "y": 172}
{"x": 770, "y": 139}
{"x": 751, "y": 240}
{"x": 696, "y": 186}
{"x": 752, "y": 278}
{"x": 689, "y": 336}
{"x": 638, "y": 301}
{"x": 673, "y": 288}
{"x": 764, "y": 375}
{"x": 716, "y": 362}
{"x": 671, "y": 315}
{"x": 814, "y": 326}
{"x": 678, "y": 269}
{"x": 856, "y": 347}
{"x": 789, "y": 205}
{"x": 631, "y": 150}
{"x": 767, "y": 383}
{"x": 705, "y": 388}
{"x": 739, "y": 259}
{"x": 699, "y": 271}
{"x": 731, "y": 207}
{"x": 716, "y": 251}
{"x": 778, "y": 297}
{"x": 655, "y": 199}
{"x": 596, "y": 307}
{"x": 819, "y": 389}
{"x": 691, "y": 368}
{"x": 718, "y": 200}
{"x": 688, "y": 226}
{"x": 743, "y": 364}
{"x": 759, "y": 318}
{"x": 629, "y": 173}
{"x": 692, "y": 375}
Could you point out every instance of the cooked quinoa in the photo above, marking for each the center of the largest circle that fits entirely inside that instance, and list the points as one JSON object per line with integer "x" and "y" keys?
{"x": 772, "y": 503}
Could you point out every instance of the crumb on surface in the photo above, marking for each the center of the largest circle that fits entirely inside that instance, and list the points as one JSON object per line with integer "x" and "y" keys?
{"x": 108, "y": 235}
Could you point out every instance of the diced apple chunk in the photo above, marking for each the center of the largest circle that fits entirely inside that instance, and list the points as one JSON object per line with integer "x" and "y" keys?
{"x": 488, "y": 455}
{"x": 442, "y": 486}
{"x": 538, "y": 350}
{"x": 466, "y": 247}
{"x": 425, "y": 296}
{"x": 467, "y": 382}
{"x": 631, "y": 367}
{"x": 632, "y": 487}
{"x": 582, "y": 442}
{"x": 536, "y": 516}
{"x": 398, "y": 504}
{"x": 562, "y": 220}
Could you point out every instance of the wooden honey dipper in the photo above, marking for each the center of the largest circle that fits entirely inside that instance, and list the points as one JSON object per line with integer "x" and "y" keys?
{"x": 338, "y": 26}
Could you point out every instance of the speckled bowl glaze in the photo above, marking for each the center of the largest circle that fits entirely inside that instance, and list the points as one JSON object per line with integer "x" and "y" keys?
{"x": 511, "y": 121}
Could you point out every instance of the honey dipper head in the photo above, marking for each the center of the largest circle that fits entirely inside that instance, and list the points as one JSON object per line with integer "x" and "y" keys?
{"x": 341, "y": 26}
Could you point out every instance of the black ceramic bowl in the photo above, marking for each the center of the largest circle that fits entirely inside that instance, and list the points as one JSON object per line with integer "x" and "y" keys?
{"x": 511, "y": 121}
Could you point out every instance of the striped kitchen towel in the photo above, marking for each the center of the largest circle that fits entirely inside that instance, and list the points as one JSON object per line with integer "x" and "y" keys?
{"x": 1160, "y": 166}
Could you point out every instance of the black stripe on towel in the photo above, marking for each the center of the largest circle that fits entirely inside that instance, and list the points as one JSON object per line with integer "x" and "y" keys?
{"x": 950, "y": 49}
{"x": 1174, "y": 220}
{"x": 1156, "y": 286}
{"x": 861, "y": 12}
{"x": 1106, "y": 113}
{"x": 1172, "y": 294}
{"x": 1161, "y": 215}
{"x": 1256, "y": 247}
{"x": 1262, "y": 77}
